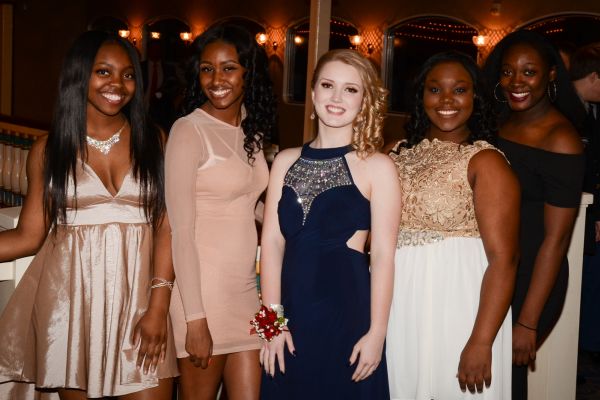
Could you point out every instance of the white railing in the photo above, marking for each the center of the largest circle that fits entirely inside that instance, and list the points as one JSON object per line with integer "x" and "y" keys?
{"x": 15, "y": 142}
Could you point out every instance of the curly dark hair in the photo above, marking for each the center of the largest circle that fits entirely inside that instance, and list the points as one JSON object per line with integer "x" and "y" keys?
{"x": 567, "y": 101}
{"x": 66, "y": 143}
{"x": 259, "y": 100}
{"x": 482, "y": 122}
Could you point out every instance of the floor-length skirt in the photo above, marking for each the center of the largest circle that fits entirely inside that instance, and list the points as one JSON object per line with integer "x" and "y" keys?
{"x": 436, "y": 298}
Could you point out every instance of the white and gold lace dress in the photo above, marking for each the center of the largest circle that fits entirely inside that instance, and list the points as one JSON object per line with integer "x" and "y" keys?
{"x": 440, "y": 263}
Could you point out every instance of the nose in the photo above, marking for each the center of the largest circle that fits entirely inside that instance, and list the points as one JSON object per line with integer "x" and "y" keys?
{"x": 117, "y": 80}
{"x": 447, "y": 97}
{"x": 336, "y": 96}
{"x": 217, "y": 76}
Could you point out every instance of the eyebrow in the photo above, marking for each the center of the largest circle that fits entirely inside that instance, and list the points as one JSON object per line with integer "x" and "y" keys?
{"x": 105, "y": 63}
{"x": 343, "y": 83}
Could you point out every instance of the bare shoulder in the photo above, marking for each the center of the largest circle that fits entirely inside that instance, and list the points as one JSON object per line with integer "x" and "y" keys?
{"x": 285, "y": 158}
{"x": 380, "y": 163}
{"x": 563, "y": 138}
{"x": 488, "y": 158}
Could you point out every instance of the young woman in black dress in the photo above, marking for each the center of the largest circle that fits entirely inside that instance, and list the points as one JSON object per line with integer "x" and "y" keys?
{"x": 538, "y": 115}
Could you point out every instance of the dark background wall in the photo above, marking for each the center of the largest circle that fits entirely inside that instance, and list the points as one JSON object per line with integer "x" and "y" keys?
{"x": 44, "y": 29}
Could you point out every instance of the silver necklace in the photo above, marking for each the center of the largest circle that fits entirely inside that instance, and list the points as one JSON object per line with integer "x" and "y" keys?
{"x": 104, "y": 146}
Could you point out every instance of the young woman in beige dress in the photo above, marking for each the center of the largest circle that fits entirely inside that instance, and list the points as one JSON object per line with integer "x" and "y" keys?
{"x": 90, "y": 318}
{"x": 215, "y": 172}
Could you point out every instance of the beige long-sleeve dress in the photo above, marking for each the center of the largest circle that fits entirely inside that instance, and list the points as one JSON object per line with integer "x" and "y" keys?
{"x": 211, "y": 193}
{"x": 71, "y": 320}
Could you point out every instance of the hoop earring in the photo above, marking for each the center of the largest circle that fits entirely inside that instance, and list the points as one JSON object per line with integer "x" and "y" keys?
{"x": 498, "y": 99}
{"x": 552, "y": 90}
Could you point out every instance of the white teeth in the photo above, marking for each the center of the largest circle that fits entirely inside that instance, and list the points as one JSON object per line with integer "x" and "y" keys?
{"x": 335, "y": 109}
{"x": 220, "y": 92}
{"x": 112, "y": 96}
{"x": 447, "y": 112}
{"x": 519, "y": 95}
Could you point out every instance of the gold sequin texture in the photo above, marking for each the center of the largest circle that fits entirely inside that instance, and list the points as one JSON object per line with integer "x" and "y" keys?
{"x": 437, "y": 200}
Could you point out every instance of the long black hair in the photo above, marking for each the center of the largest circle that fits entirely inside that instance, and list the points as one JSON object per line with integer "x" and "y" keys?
{"x": 67, "y": 137}
{"x": 567, "y": 101}
{"x": 481, "y": 123}
{"x": 259, "y": 100}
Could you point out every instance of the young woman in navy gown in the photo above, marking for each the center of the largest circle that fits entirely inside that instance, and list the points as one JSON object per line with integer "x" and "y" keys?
{"x": 323, "y": 202}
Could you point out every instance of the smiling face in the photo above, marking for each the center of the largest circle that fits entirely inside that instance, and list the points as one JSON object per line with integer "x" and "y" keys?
{"x": 337, "y": 94}
{"x": 112, "y": 82}
{"x": 448, "y": 100}
{"x": 222, "y": 80}
{"x": 524, "y": 77}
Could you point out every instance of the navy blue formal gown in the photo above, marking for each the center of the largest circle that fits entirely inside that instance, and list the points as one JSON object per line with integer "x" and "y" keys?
{"x": 325, "y": 285}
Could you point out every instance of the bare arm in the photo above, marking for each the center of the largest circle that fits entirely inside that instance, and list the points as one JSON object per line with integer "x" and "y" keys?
{"x": 32, "y": 229}
{"x": 271, "y": 258}
{"x": 151, "y": 331}
{"x": 558, "y": 227}
{"x": 496, "y": 199}
{"x": 386, "y": 208}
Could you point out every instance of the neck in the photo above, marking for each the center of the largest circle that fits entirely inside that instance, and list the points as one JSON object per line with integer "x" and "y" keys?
{"x": 454, "y": 136}
{"x": 328, "y": 137}
{"x": 535, "y": 113}
{"x": 231, "y": 115}
{"x": 102, "y": 126}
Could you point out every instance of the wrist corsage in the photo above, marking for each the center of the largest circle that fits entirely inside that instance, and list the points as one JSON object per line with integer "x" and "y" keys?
{"x": 269, "y": 322}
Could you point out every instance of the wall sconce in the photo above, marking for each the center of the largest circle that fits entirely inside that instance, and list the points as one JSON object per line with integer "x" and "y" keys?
{"x": 185, "y": 36}
{"x": 480, "y": 40}
{"x": 261, "y": 38}
{"x": 298, "y": 40}
{"x": 124, "y": 33}
{"x": 370, "y": 48}
{"x": 356, "y": 40}
{"x": 275, "y": 45}
{"x": 155, "y": 35}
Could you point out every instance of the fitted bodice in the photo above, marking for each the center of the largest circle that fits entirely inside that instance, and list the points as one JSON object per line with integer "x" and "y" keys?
{"x": 319, "y": 197}
{"x": 94, "y": 204}
{"x": 437, "y": 198}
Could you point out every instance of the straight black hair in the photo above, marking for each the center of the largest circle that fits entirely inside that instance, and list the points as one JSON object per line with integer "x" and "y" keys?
{"x": 66, "y": 144}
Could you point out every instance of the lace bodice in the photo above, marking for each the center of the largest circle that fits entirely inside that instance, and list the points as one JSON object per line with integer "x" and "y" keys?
{"x": 436, "y": 196}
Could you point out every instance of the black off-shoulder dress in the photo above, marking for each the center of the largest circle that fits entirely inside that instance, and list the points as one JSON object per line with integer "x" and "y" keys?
{"x": 546, "y": 178}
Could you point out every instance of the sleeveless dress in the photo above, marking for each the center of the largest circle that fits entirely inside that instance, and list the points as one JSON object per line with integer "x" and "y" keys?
{"x": 211, "y": 194}
{"x": 545, "y": 178}
{"x": 440, "y": 263}
{"x": 325, "y": 285}
{"x": 71, "y": 319}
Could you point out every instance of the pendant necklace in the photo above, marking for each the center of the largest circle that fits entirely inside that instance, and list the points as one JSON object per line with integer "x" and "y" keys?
{"x": 104, "y": 146}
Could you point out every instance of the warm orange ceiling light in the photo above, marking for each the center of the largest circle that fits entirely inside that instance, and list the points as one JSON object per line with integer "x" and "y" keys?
{"x": 261, "y": 38}
{"x": 124, "y": 33}
{"x": 185, "y": 36}
{"x": 155, "y": 35}
{"x": 356, "y": 40}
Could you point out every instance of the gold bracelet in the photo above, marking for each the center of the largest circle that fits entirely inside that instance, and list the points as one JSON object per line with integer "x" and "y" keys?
{"x": 161, "y": 283}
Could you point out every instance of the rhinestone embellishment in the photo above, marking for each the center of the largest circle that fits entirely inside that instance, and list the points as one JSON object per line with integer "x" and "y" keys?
{"x": 104, "y": 146}
{"x": 309, "y": 178}
{"x": 417, "y": 238}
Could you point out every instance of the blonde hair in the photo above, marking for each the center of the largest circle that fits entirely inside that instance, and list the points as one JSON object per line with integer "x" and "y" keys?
{"x": 367, "y": 127}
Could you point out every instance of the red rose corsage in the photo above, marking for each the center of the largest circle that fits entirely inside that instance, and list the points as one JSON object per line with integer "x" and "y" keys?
{"x": 269, "y": 322}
